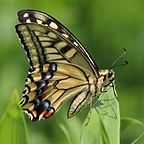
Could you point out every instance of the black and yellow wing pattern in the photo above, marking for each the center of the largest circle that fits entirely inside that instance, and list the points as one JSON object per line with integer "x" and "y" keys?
{"x": 60, "y": 67}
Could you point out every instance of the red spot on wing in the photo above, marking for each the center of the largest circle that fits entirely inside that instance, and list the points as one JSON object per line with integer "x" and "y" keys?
{"x": 49, "y": 113}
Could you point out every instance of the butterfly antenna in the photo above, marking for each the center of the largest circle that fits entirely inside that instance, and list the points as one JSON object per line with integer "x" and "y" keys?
{"x": 119, "y": 57}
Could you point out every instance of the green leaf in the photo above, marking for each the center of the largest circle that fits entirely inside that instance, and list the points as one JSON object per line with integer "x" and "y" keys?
{"x": 12, "y": 124}
{"x": 138, "y": 139}
{"x": 65, "y": 131}
{"x": 132, "y": 131}
{"x": 103, "y": 123}
{"x": 127, "y": 121}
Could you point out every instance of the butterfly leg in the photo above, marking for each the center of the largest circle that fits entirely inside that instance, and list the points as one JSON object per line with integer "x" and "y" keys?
{"x": 90, "y": 111}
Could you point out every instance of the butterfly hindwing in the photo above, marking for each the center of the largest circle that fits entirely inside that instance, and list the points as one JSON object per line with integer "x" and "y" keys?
{"x": 53, "y": 88}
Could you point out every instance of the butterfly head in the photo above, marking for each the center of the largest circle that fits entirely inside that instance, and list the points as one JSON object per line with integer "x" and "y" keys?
{"x": 107, "y": 77}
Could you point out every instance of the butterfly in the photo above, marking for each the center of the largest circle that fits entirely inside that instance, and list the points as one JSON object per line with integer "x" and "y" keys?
{"x": 60, "y": 67}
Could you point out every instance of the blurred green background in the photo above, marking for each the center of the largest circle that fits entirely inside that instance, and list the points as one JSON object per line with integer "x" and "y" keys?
{"x": 104, "y": 27}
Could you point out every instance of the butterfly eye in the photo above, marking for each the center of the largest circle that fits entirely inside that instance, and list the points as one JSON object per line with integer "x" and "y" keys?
{"x": 110, "y": 73}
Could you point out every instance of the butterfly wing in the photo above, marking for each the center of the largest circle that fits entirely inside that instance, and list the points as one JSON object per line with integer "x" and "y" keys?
{"x": 46, "y": 90}
{"x": 59, "y": 70}
{"x": 79, "y": 55}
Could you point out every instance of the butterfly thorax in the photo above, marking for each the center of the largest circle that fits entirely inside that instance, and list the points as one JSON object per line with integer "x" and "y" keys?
{"x": 105, "y": 78}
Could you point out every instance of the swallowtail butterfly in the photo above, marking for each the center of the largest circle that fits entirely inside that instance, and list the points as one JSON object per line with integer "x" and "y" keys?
{"x": 60, "y": 67}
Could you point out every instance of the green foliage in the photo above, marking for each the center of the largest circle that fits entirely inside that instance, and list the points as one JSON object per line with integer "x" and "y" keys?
{"x": 104, "y": 28}
{"x": 65, "y": 131}
{"x": 12, "y": 124}
{"x": 103, "y": 125}
{"x": 132, "y": 131}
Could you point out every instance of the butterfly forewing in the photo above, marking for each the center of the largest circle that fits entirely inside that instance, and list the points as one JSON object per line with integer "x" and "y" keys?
{"x": 43, "y": 46}
{"x": 60, "y": 66}
{"x": 31, "y": 16}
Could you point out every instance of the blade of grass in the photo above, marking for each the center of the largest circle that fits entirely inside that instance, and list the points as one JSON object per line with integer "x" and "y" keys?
{"x": 65, "y": 131}
{"x": 12, "y": 124}
{"x": 138, "y": 138}
{"x": 132, "y": 131}
{"x": 127, "y": 121}
{"x": 104, "y": 122}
